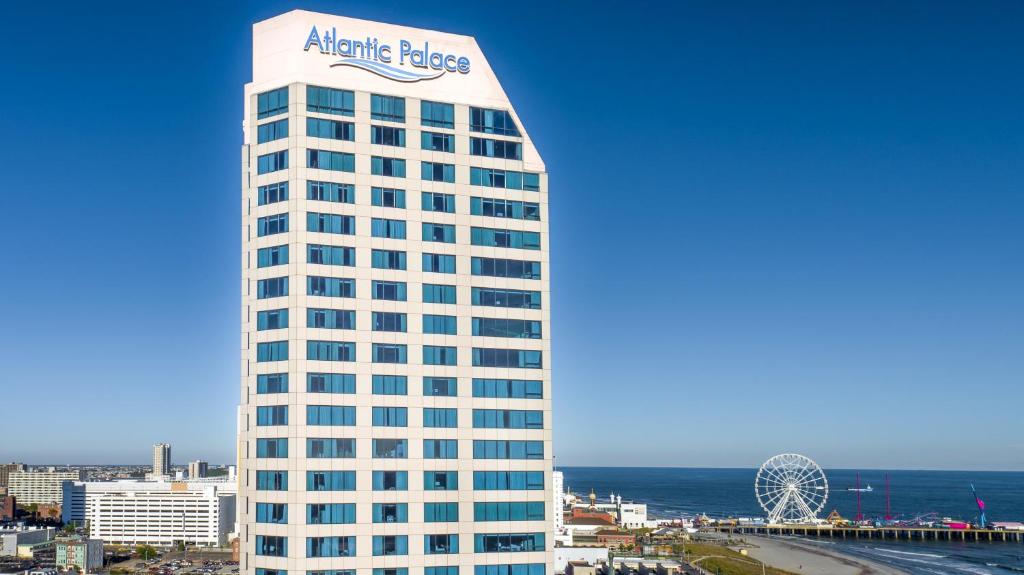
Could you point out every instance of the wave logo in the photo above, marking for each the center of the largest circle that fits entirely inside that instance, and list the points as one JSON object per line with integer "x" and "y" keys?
{"x": 378, "y": 58}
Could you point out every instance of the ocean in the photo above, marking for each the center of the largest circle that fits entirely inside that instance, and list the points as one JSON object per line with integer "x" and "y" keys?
{"x": 675, "y": 492}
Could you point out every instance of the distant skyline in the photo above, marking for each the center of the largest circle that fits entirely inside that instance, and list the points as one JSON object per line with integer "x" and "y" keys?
{"x": 776, "y": 228}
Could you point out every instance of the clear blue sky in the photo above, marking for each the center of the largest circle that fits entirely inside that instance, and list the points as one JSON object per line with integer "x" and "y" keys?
{"x": 787, "y": 226}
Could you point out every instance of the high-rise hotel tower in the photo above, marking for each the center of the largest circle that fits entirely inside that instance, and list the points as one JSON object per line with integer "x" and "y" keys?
{"x": 396, "y": 395}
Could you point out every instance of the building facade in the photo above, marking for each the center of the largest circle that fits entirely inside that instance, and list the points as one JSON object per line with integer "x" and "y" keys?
{"x": 84, "y": 554}
{"x": 161, "y": 459}
{"x": 396, "y": 394}
{"x": 6, "y": 469}
{"x": 198, "y": 469}
{"x": 40, "y": 487}
{"x": 159, "y": 513}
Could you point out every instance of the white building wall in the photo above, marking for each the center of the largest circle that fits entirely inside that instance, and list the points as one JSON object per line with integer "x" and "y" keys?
{"x": 280, "y": 60}
{"x": 40, "y": 486}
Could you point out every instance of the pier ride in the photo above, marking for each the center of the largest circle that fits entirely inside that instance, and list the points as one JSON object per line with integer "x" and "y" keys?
{"x": 791, "y": 488}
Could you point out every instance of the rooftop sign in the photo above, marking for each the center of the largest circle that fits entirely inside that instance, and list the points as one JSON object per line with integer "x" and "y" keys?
{"x": 407, "y": 64}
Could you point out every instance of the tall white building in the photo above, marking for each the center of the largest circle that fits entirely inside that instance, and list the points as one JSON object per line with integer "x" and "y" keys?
{"x": 161, "y": 459}
{"x": 160, "y": 513}
{"x": 198, "y": 469}
{"x": 41, "y": 487}
{"x": 396, "y": 394}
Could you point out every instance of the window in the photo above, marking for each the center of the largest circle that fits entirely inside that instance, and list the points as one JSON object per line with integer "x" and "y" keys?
{"x": 384, "y": 228}
{"x": 508, "y": 388}
{"x": 492, "y": 122}
{"x": 270, "y": 225}
{"x": 273, "y": 256}
{"x": 330, "y": 513}
{"x": 330, "y": 546}
{"x": 272, "y": 287}
{"x": 495, "y": 148}
{"x": 439, "y": 355}
{"x": 390, "y": 385}
{"x": 390, "y": 512}
{"x": 330, "y": 287}
{"x": 272, "y": 383}
{"x": 508, "y": 480}
{"x": 394, "y": 167}
{"x": 387, "y": 136}
{"x": 514, "y": 328}
{"x": 437, "y": 172}
{"x": 330, "y": 255}
{"x": 388, "y": 259}
{"x": 271, "y": 319}
{"x": 330, "y": 129}
{"x": 330, "y": 318}
{"x": 435, "y": 202}
{"x": 439, "y": 324}
{"x": 330, "y": 415}
{"x": 263, "y": 571}
{"x": 496, "y": 238}
{"x": 390, "y": 545}
{"x": 439, "y": 263}
{"x": 511, "y": 180}
{"x": 441, "y": 481}
{"x": 330, "y": 101}
{"x": 330, "y": 223}
{"x": 509, "y": 511}
{"x": 391, "y": 571}
{"x": 330, "y": 448}
{"x": 387, "y": 197}
{"x": 274, "y": 448}
{"x": 440, "y": 417}
{"x": 271, "y": 545}
{"x": 271, "y": 131}
{"x": 504, "y": 209}
{"x": 271, "y": 481}
{"x": 440, "y": 386}
{"x": 440, "y": 570}
{"x": 330, "y": 192}
{"x": 435, "y": 293}
{"x": 485, "y": 357}
{"x": 513, "y": 569}
{"x": 440, "y": 449}
{"x": 330, "y": 481}
{"x": 388, "y": 108}
{"x": 272, "y": 351}
{"x": 272, "y": 162}
{"x": 390, "y": 291}
{"x": 506, "y": 298}
{"x": 508, "y": 419}
{"x": 330, "y": 351}
{"x": 272, "y": 103}
{"x": 501, "y": 268}
{"x": 506, "y": 449}
{"x": 437, "y": 142}
{"x": 330, "y": 383}
{"x": 443, "y": 233}
{"x": 390, "y": 449}
{"x": 390, "y": 480}
{"x": 271, "y": 513}
{"x": 328, "y": 160}
{"x": 389, "y": 353}
{"x": 272, "y": 415}
{"x": 272, "y": 193}
{"x": 389, "y": 321}
{"x": 390, "y": 417}
{"x": 508, "y": 542}
{"x": 437, "y": 114}
{"x": 440, "y": 512}
{"x": 440, "y": 544}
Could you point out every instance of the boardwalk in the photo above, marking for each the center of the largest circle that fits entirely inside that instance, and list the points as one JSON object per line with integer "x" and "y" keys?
{"x": 881, "y": 533}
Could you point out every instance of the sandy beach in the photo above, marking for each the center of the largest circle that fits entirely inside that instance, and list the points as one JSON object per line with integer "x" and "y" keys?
{"x": 798, "y": 557}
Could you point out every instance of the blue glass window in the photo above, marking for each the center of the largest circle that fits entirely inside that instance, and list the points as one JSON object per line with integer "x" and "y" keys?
{"x": 436, "y": 202}
{"x": 492, "y": 122}
{"x": 389, "y": 321}
{"x": 271, "y": 131}
{"x": 440, "y": 386}
{"x": 271, "y": 545}
{"x": 335, "y": 546}
{"x": 330, "y": 255}
{"x": 439, "y": 570}
{"x": 508, "y": 388}
{"x": 510, "y": 569}
{"x": 272, "y": 415}
{"x": 330, "y": 223}
{"x": 440, "y": 417}
{"x": 393, "y": 167}
{"x": 272, "y": 287}
{"x": 444, "y": 233}
{"x": 508, "y": 542}
{"x": 330, "y": 101}
{"x": 390, "y": 385}
{"x": 272, "y": 162}
{"x": 504, "y": 209}
{"x": 508, "y": 480}
{"x": 330, "y": 448}
{"x": 271, "y": 513}
{"x": 330, "y": 287}
{"x": 390, "y": 291}
{"x": 330, "y": 129}
{"x": 389, "y": 353}
{"x": 440, "y": 544}
{"x": 385, "y": 228}
{"x": 437, "y": 114}
{"x": 272, "y": 256}
{"x": 330, "y": 192}
{"x": 390, "y": 417}
{"x": 507, "y": 449}
{"x": 514, "y": 328}
{"x": 495, "y": 148}
{"x": 508, "y": 419}
{"x": 388, "y": 108}
{"x": 272, "y": 351}
{"x": 496, "y": 238}
{"x": 436, "y": 293}
{"x": 390, "y": 480}
{"x": 328, "y": 160}
{"x": 390, "y": 545}
{"x": 272, "y": 103}
{"x": 271, "y": 319}
{"x": 330, "y": 383}
{"x": 269, "y": 225}
{"x": 441, "y": 480}
{"x": 387, "y": 136}
{"x": 330, "y": 513}
{"x": 502, "y": 268}
{"x": 440, "y": 449}
{"x": 390, "y": 449}
{"x": 439, "y": 324}
{"x": 330, "y": 481}
{"x": 439, "y": 263}
{"x": 437, "y": 142}
{"x": 330, "y": 415}
{"x": 272, "y": 193}
{"x": 330, "y": 351}
{"x": 440, "y": 512}
{"x": 439, "y": 355}
{"x": 387, "y": 197}
{"x": 527, "y": 359}
{"x": 388, "y": 259}
{"x": 437, "y": 172}
{"x": 272, "y": 448}
{"x": 508, "y": 179}
{"x": 272, "y": 383}
{"x": 271, "y": 481}
{"x": 506, "y": 298}
{"x": 330, "y": 318}
{"x": 390, "y": 512}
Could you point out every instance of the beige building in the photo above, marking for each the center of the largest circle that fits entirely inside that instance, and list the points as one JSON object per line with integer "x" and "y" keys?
{"x": 395, "y": 348}
{"x": 40, "y": 487}
{"x": 161, "y": 459}
{"x": 198, "y": 469}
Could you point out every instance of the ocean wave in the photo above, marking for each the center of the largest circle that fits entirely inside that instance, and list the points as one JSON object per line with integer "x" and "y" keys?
{"x": 932, "y": 555}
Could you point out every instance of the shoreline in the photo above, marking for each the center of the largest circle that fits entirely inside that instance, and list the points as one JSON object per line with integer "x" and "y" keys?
{"x": 810, "y": 559}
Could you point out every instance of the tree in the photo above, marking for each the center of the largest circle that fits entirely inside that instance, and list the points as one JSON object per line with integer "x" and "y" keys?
{"x": 146, "y": 552}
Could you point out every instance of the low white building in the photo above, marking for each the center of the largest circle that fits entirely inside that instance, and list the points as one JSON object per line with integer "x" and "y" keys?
{"x": 12, "y": 537}
{"x": 160, "y": 513}
{"x": 41, "y": 487}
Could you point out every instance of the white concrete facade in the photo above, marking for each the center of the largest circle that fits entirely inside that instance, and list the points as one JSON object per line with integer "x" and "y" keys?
{"x": 281, "y": 60}
{"x": 159, "y": 513}
{"x": 40, "y": 487}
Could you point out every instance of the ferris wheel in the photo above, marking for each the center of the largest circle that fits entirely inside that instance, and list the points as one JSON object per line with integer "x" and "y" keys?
{"x": 791, "y": 489}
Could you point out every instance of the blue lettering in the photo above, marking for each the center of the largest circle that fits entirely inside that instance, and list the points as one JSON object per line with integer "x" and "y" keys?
{"x": 314, "y": 38}
{"x": 404, "y": 47}
{"x": 463, "y": 64}
{"x": 449, "y": 63}
{"x": 385, "y": 53}
{"x": 331, "y": 43}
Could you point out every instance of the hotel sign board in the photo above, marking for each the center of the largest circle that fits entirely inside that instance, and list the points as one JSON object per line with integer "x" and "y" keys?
{"x": 408, "y": 63}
